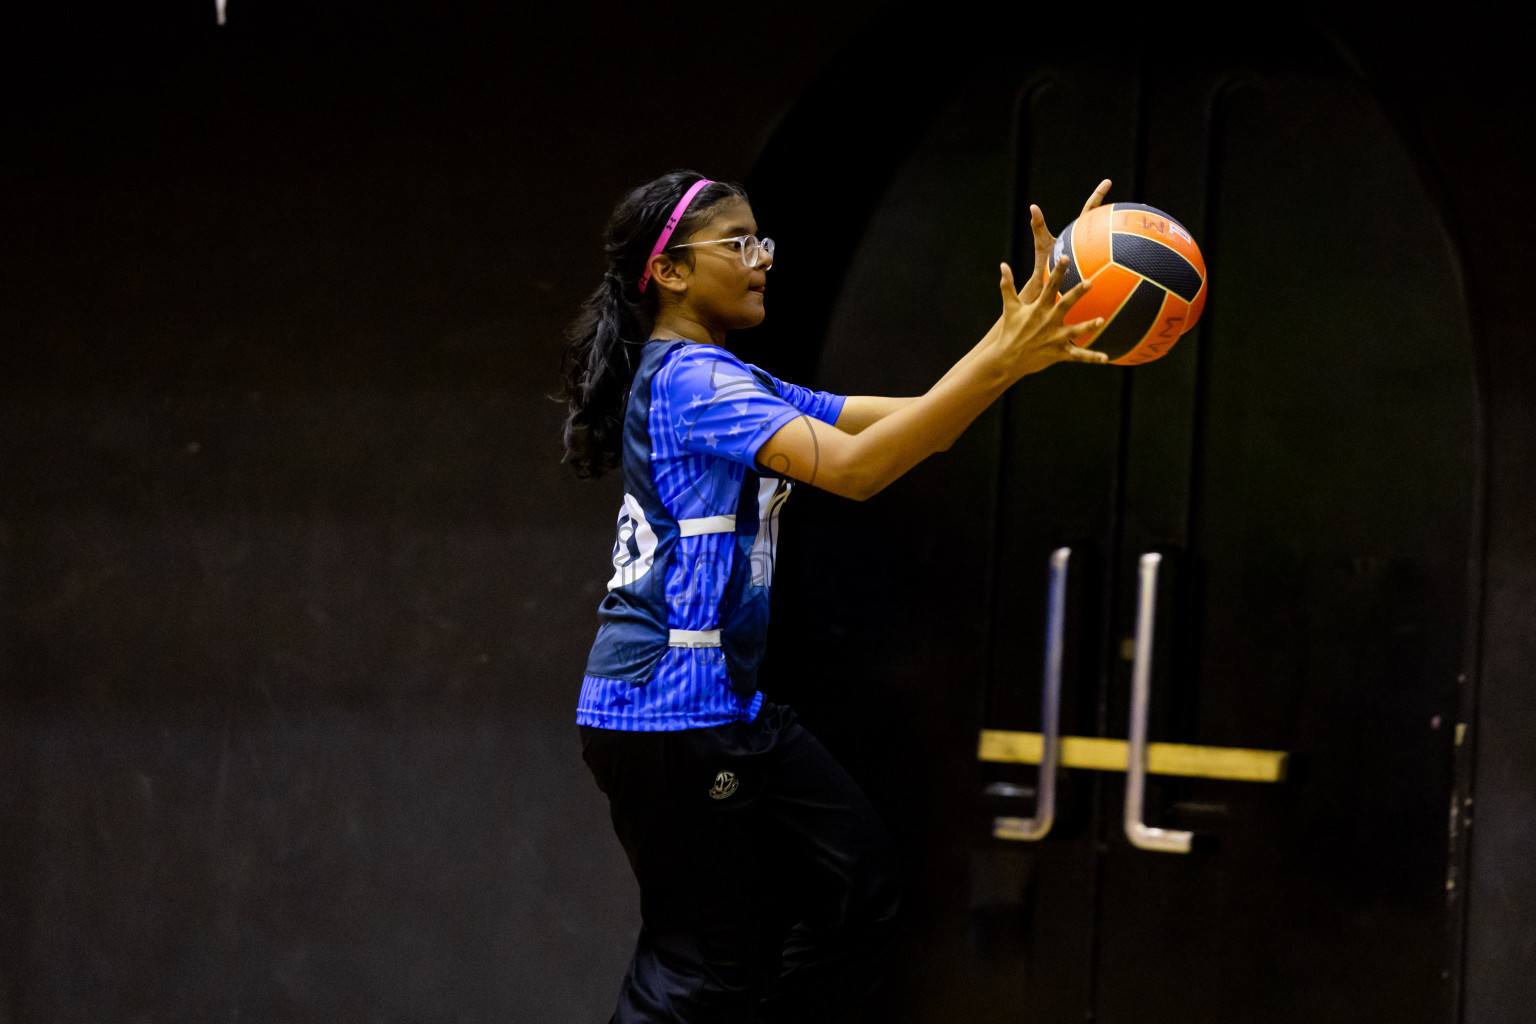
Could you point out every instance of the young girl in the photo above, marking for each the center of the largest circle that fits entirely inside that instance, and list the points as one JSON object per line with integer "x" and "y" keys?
{"x": 768, "y": 888}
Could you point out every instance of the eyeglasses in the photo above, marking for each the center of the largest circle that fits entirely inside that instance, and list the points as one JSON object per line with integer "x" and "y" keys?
{"x": 752, "y": 248}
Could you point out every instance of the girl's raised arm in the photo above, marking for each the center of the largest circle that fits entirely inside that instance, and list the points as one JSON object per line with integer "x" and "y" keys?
{"x": 861, "y": 411}
{"x": 1029, "y": 337}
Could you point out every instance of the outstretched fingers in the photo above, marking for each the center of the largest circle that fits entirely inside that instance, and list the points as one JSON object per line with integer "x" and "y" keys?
{"x": 1041, "y": 319}
{"x": 1067, "y": 334}
{"x": 1075, "y": 353}
{"x": 1043, "y": 242}
{"x": 1006, "y": 283}
{"x": 1051, "y": 290}
{"x": 1042, "y": 235}
{"x": 1098, "y": 196}
{"x": 1068, "y": 298}
{"x": 1016, "y": 303}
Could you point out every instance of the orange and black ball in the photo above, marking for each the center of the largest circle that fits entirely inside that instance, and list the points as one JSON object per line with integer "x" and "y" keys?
{"x": 1148, "y": 279}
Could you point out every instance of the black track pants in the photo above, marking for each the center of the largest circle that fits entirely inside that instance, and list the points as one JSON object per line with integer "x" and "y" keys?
{"x": 768, "y": 887}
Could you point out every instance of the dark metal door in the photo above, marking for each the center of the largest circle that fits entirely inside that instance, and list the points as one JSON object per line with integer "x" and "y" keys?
{"x": 1304, "y": 466}
{"x": 1307, "y": 469}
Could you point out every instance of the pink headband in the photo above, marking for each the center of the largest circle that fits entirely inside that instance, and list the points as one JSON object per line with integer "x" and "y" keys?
{"x": 666, "y": 232}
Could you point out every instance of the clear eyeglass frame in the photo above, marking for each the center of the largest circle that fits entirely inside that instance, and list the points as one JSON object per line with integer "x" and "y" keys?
{"x": 753, "y": 249}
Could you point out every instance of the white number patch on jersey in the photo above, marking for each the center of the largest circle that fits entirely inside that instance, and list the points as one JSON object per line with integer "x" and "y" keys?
{"x": 635, "y": 547}
{"x": 771, "y": 495}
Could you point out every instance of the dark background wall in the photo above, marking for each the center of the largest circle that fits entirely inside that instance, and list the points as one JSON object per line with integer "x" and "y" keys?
{"x": 294, "y": 592}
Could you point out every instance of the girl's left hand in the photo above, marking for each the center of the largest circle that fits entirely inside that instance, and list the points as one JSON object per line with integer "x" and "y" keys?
{"x": 1035, "y": 334}
{"x": 1044, "y": 240}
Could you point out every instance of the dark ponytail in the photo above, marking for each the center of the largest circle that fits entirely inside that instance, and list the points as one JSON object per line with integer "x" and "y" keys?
{"x": 615, "y": 320}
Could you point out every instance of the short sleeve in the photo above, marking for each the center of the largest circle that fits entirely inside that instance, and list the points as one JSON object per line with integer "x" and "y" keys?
{"x": 818, "y": 405}
{"x": 718, "y": 406}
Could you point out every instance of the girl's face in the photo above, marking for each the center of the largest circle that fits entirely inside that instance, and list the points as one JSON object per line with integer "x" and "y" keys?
{"x": 723, "y": 292}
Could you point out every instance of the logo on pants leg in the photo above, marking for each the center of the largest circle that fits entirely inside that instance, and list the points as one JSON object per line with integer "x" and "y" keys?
{"x": 725, "y": 784}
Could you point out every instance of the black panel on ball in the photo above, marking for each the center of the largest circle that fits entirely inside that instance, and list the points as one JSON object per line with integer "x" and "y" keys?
{"x": 1072, "y": 276}
{"x": 1156, "y": 261}
{"x": 1132, "y": 323}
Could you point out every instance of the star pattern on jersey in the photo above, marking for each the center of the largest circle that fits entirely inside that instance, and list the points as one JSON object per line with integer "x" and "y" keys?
{"x": 721, "y": 418}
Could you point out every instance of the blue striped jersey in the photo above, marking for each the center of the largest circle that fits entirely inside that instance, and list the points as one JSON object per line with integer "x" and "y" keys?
{"x": 682, "y": 628}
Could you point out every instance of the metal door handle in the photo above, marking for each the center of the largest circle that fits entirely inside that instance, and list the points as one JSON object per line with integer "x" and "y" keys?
{"x": 1140, "y": 834}
{"x": 1034, "y": 829}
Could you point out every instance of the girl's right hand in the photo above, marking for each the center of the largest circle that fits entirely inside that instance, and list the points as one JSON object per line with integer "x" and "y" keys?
{"x": 1034, "y": 335}
{"x": 1045, "y": 241}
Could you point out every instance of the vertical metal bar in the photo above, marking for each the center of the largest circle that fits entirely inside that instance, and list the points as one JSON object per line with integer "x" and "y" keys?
{"x": 1036, "y": 828}
{"x": 1140, "y": 835}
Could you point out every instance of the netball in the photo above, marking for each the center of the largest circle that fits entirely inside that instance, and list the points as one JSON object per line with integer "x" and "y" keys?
{"x": 1148, "y": 279}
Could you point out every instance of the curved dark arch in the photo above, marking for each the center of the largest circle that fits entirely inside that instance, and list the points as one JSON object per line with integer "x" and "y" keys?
{"x": 823, "y": 172}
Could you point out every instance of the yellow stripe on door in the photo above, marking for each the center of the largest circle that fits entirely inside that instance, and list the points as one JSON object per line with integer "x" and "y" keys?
{"x": 1235, "y": 763}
